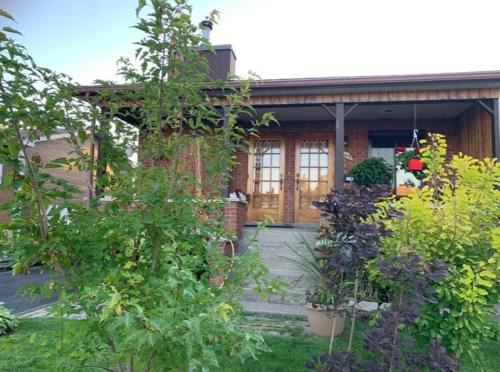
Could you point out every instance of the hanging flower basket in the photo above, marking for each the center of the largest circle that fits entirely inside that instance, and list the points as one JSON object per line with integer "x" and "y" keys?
{"x": 415, "y": 165}
{"x": 409, "y": 170}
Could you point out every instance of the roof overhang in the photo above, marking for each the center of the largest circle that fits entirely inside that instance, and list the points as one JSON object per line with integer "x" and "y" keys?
{"x": 349, "y": 84}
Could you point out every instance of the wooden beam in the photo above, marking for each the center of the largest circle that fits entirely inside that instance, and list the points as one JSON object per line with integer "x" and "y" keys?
{"x": 351, "y": 110}
{"x": 339, "y": 147}
{"x": 496, "y": 128}
{"x": 486, "y": 107}
{"x": 327, "y": 109}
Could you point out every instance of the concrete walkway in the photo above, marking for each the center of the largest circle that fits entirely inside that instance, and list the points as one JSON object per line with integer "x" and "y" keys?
{"x": 273, "y": 244}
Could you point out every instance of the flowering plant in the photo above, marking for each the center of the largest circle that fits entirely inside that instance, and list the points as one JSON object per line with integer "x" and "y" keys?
{"x": 408, "y": 159}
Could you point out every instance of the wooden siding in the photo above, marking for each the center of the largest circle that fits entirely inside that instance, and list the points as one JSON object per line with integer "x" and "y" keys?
{"x": 386, "y": 96}
{"x": 58, "y": 148}
{"x": 475, "y": 133}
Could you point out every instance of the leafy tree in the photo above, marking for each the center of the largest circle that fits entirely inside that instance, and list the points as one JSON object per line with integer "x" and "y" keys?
{"x": 137, "y": 257}
{"x": 454, "y": 219}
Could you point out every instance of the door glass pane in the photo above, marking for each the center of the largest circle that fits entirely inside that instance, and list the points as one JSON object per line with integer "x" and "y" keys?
{"x": 276, "y": 160}
{"x": 313, "y": 172}
{"x": 304, "y": 160}
{"x": 323, "y": 160}
{"x": 323, "y": 174}
{"x": 314, "y": 160}
{"x": 266, "y": 185}
{"x": 266, "y": 160}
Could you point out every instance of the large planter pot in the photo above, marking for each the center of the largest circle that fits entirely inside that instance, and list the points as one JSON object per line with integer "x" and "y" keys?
{"x": 322, "y": 319}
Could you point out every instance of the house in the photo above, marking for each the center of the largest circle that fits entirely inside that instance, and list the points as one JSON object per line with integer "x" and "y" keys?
{"x": 328, "y": 125}
{"x": 47, "y": 150}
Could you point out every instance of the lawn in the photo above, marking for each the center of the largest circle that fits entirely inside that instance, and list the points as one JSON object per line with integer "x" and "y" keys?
{"x": 289, "y": 353}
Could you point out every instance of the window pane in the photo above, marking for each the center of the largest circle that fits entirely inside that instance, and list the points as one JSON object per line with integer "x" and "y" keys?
{"x": 323, "y": 160}
{"x": 266, "y": 173}
{"x": 275, "y": 187}
{"x": 323, "y": 174}
{"x": 304, "y": 174}
{"x": 275, "y": 174}
{"x": 266, "y": 160}
{"x": 314, "y": 160}
{"x": 266, "y": 187}
{"x": 304, "y": 160}
{"x": 313, "y": 174}
{"x": 276, "y": 160}
{"x": 314, "y": 146}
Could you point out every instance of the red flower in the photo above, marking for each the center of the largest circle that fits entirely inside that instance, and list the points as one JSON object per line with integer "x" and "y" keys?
{"x": 400, "y": 149}
{"x": 416, "y": 150}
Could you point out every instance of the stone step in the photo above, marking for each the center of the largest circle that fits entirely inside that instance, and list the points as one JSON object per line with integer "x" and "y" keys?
{"x": 265, "y": 309}
{"x": 291, "y": 298}
{"x": 273, "y": 244}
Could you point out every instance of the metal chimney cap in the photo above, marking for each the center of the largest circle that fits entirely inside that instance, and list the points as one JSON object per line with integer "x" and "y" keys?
{"x": 207, "y": 24}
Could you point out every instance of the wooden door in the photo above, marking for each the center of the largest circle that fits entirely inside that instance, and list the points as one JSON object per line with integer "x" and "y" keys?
{"x": 265, "y": 181}
{"x": 313, "y": 174}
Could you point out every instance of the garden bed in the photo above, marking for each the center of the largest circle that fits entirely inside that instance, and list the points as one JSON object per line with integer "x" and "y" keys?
{"x": 288, "y": 353}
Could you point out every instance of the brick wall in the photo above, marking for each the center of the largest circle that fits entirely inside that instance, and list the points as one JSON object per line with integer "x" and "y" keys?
{"x": 357, "y": 134}
{"x": 235, "y": 213}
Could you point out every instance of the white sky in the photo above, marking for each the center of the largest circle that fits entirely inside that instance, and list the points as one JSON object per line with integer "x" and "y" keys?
{"x": 278, "y": 38}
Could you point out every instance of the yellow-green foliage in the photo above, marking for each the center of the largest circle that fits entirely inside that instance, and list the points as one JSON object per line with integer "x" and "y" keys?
{"x": 454, "y": 218}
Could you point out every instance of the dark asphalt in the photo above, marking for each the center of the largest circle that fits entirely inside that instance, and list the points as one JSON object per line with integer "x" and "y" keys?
{"x": 11, "y": 285}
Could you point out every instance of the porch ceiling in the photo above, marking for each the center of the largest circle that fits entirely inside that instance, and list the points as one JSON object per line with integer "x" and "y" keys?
{"x": 382, "y": 111}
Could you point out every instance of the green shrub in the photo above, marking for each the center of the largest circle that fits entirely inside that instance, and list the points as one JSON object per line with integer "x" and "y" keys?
{"x": 371, "y": 172}
{"x": 7, "y": 321}
{"x": 454, "y": 219}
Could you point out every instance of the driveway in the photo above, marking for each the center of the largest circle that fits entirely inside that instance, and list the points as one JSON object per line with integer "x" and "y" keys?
{"x": 10, "y": 286}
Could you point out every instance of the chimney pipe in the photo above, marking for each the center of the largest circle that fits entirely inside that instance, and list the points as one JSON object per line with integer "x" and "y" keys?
{"x": 206, "y": 26}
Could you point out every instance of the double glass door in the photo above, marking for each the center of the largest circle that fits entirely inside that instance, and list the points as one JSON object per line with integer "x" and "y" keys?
{"x": 311, "y": 174}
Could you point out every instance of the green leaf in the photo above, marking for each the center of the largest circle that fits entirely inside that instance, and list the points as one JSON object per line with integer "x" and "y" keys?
{"x": 3, "y": 13}
{"x": 57, "y": 163}
{"x": 141, "y": 4}
{"x": 12, "y": 30}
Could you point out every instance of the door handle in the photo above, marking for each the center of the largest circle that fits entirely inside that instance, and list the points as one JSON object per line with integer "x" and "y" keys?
{"x": 297, "y": 181}
{"x": 281, "y": 182}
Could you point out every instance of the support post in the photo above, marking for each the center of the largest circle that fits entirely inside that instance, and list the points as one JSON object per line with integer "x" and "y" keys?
{"x": 339, "y": 146}
{"x": 227, "y": 139}
{"x": 496, "y": 128}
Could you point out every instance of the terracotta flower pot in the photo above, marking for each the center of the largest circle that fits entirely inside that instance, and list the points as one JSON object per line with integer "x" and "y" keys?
{"x": 415, "y": 165}
{"x": 403, "y": 191}
{"x": 322, "y": 319}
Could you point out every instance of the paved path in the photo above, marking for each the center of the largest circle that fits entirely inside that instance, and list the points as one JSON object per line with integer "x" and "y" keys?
{"x": 11, "y": 285}
{"x": 272, "y": 244}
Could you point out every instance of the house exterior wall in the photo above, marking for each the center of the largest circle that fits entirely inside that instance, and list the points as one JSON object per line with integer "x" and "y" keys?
{"x": 475, "y": 133}
{"x": 357, "y": 133}
{"x": 47, "y": 151}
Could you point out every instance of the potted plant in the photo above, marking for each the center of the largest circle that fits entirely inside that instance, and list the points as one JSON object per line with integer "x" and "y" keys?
{"x": 325, "y": 308}
{"x": 372, "y": 172}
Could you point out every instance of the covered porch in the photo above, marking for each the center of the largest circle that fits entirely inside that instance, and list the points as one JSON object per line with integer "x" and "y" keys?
{"x": 321, "y": 137}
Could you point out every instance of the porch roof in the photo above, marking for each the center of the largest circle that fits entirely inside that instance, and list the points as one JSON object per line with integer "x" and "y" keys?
{"x": 346, "y": 84}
